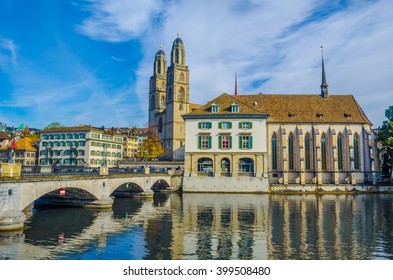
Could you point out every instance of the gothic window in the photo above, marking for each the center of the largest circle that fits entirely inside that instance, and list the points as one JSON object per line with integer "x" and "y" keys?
{"x": 181, "y": 77}
{"x": 274, "y": 151}
{"x": 181, "y": 94}
{"x": 356, "y": 151}
{"x": 160, "y": 125}
{"x": 162, "y": 102}
{"x": 340, "y": 151}
{"x": 307, "y": 150}
{"x": 323, "y": 152}
{"x": 290, "y": 152}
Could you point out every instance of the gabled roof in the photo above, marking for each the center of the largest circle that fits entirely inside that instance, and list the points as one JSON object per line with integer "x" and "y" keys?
{"x": 26, "y": 144}
{"x": 300, "y": 108}
{"x": 4, "y": 136}
{"x": 224, "y": 102}
{"x": 289, "y": 108}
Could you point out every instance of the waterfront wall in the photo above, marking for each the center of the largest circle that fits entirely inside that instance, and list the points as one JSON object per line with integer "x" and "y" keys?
{"x": 225, "y": 184}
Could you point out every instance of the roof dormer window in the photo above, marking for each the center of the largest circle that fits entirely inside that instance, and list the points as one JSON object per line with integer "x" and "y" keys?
{"x": 348, "y": 116}
{"x": 320, "y": 115}
{"x": 215, "y": 108}
{"x": 291, "y": 115}
{"x": 235, "y": 108}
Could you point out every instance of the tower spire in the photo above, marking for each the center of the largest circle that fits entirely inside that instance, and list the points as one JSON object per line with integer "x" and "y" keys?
{"x": 235, "y": 83}
{"x": 324, "y": 85}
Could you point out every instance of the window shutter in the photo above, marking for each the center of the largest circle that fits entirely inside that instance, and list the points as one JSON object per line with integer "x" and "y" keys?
{"x": 240, "y": 142}
{"x": 199, "y": 142}
{"x": 220, "y": 125}
{"x": 250, "y": 124}
{"x": 230, "y": 142}
{"x": 229, "y": 124}
{"x": 209, "y": 125}
{"x": 240, "y": 124}
{"x": 199, "y": 125}
{"x": 250, "y": 141}
{"x": 209, "y": 143}
{"x": 220, "y": 142}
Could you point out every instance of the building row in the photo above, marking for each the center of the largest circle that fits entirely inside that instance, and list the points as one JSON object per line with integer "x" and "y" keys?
{"x": 260, "y": 139}
{"x": 78, "y": 145}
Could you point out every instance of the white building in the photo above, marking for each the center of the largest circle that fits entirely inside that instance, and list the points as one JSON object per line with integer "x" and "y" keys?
{"x": 79, "y": 145}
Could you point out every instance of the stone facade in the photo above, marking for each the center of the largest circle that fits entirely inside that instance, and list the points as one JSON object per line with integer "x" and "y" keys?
{"x": 169, "y": 96}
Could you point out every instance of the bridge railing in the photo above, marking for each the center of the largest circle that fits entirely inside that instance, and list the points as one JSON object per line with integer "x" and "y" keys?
{"x": 81, "y": 170}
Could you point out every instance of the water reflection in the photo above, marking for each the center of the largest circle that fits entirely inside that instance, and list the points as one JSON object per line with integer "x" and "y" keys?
{"x": 211, "y": 226}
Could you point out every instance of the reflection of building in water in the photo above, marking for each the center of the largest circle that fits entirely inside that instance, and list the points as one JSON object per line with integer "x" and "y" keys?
{"x": 326, "y": 227}
{"x": 224, "y": 226}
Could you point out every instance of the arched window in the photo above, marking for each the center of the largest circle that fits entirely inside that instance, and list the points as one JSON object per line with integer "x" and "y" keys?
{"x": 152, "y": 102}
{"x": 181, "y": 77}
{"x": 307, "y": 151}
{"x": 340, "y": 151}
{"x": 274, "y": 151}
{"x": 246, "y": 165}
{"x": 162, "y": 102}
{"x": 160, "y": 125}
{"x": 159, "y": 66}
{"x": 356, "y": 151}
{"x": 205, "y": 165}
{"x": 181, "y": 94}
{"x": 290, "y": 151}
{"x": 225, "y": 165}
{"x": 177, "y": 56}
{"x": 323, "y": 151}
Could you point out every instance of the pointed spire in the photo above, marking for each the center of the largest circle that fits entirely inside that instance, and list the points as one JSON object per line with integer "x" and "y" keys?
{"x": 324, "y": 85}
{"x": 235, "y": 83}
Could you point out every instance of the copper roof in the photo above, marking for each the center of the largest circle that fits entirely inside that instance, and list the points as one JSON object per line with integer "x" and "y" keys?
{"x": 294, "y": 108}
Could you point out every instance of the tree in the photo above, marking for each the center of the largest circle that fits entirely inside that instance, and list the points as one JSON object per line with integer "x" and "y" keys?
{"x": 151, "y": 147}
{"x": 385, "y": 138}
{"x": 53, "y": 125}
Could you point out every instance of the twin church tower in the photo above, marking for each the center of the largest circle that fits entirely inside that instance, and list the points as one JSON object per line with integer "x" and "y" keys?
{"x": 169, "y": 99}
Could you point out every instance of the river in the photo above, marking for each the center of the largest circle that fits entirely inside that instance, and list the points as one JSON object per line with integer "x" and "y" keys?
{"x": 210, "y": 226}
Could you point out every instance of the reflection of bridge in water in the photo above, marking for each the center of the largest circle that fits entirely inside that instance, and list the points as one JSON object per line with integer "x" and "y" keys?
{"x": 16, "y": 195}
{"x": 92, "y": 229}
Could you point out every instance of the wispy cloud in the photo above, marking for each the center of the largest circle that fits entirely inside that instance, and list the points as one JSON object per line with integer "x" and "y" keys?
{"x": 8, "y": 53}
{"x": 120, "y": 20}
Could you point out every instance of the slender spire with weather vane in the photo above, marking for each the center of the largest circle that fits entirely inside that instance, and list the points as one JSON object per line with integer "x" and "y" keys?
{"x": 235, "y": 83}
{"x": 324, "y": 85}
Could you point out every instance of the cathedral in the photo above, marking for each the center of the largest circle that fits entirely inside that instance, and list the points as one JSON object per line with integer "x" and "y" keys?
{"x": 169, "y": 99}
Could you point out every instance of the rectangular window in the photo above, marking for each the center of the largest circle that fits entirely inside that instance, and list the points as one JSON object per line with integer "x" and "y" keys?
{"x": 224, "y": 125}
{"x": 235, "y": 108}
{"x": 224, "y": 142}
{"x": 204, "y": 125}
{"x": 245, "y": 125}
{"x": 204, "y": 142}
{"x": 245, "y": 142}
{"x": 215, "y": 108}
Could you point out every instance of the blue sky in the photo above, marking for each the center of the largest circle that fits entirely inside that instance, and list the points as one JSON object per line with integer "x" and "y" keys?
{"x": 89, "y": 62}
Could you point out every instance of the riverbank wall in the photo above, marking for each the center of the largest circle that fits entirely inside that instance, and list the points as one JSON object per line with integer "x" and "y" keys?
{"x": 205, "y": 184}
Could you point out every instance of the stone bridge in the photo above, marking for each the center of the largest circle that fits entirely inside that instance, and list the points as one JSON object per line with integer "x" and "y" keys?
{"x": 17, "y": 194}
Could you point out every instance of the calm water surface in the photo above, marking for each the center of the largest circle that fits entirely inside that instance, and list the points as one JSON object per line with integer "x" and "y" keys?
{"x": 211, "y": 226}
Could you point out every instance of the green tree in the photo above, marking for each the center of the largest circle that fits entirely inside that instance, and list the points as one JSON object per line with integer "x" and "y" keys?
{"x": 53, "y": 125}
{"x": 385, "y": 138}
{"x": 151, "y": 147}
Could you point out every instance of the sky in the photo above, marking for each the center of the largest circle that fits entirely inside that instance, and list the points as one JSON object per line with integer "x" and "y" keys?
{"x": 89, "y": 61}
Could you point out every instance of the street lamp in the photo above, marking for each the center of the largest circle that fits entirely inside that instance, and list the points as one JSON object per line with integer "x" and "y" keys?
{"x": 13, "y": 146}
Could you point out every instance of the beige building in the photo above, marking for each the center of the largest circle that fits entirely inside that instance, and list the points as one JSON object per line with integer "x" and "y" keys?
{"x": 169, "y": 99}
{"x": 303, "y": 139}
{"x": 80, "y": 145}
{"x": 24, "y": 152}
{"x": 131, "y": 146}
